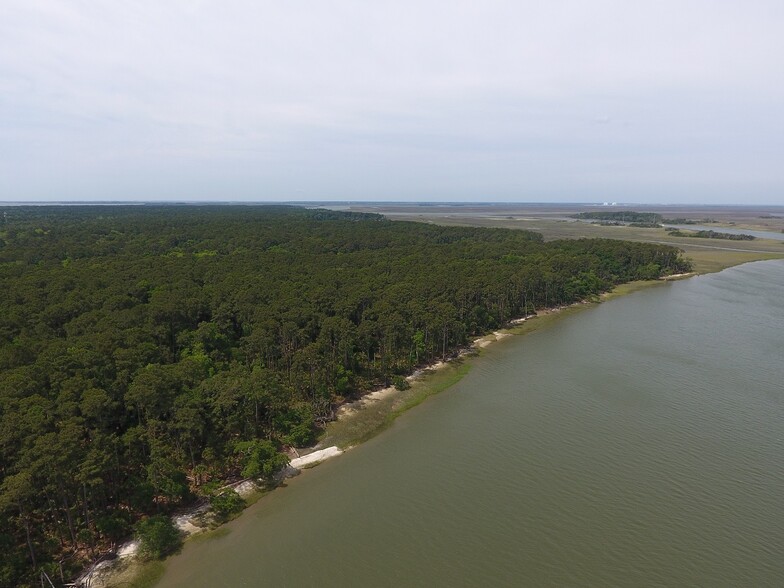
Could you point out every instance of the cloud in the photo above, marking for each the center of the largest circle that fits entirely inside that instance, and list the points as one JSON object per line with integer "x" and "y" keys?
{"x": 145, "y": 99}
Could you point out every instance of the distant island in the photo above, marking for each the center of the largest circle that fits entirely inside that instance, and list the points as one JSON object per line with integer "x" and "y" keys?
{"x": 638, "y": 219}
{"x": 622, "y": 216}
{"x": 711, "y": 235}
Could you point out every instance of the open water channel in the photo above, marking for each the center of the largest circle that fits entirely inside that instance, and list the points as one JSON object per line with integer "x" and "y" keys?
{"x": 637, "y": 443}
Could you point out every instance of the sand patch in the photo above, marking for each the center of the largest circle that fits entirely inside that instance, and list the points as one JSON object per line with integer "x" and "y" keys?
{"x": 315, "y": 457}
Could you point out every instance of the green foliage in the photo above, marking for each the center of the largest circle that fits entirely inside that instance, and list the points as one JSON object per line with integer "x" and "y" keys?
{"x": 400, "y": 383}
{"x": 646, "y": 225}
{"x": 296, "y": 426}
{"x": 691, "y": 221}
{"x": 114, "y": 526}
{"x": 158, "y": 537}
{"x": 147, "y": 351}
{"x": 645, "y": 219}
{"x": 147, "y": 575}
{"x": 711, "y": 235}
{"x": 260, "y": 458}
{"x": 226, "y": 504}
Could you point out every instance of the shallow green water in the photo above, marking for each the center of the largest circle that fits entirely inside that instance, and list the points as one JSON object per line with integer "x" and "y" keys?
{"x": 637, "y": 443}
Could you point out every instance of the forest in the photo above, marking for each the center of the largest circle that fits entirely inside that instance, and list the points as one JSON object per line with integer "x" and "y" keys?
{"x": 623, "y": 216}
{"x": 150, "y": 352}
{"x": 711, "y": 235}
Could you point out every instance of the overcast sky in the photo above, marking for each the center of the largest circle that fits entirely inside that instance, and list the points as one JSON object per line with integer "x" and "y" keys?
{"x": 575, "y": 101}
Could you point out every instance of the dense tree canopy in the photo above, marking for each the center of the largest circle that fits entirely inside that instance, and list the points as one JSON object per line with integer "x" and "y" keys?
{"x": 711, "y": 235}
{"x": 626, "y": 216}
{"x": 146, "y": 351}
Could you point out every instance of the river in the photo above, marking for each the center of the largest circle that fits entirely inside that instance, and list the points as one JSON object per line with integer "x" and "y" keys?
{"x": 637, "y": 443}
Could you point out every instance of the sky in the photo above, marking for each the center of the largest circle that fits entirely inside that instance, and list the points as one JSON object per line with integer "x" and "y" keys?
{"x": 564, "y": 101}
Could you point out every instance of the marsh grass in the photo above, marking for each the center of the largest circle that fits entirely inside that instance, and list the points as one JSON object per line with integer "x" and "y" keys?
{"x": 140, "y": 574}
{"x": 714, "y": 260}
{"x": 374, "y": 417}
{"x": 215, "y": 533}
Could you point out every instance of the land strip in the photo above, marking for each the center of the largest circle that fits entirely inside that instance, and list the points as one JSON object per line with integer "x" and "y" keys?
{"x": 554, "y": 222}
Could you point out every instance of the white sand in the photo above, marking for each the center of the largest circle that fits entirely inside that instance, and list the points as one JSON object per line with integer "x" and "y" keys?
{"x": 483, "y": 342}
{"x": 246, "y": 488}
{"x": 315, "y": 457}
{"x": 677, "y": 276}
{"x": 184, "y": 522}
{"x": 379, "y": 394}
{"x": 128, "y": 549}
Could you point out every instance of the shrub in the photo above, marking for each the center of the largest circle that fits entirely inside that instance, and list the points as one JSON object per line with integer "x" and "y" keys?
{"x": 400, "y": 383}
{"x": 261, "y": 458}
{"x": 226, "y": 504}
{"x": 158, "y": 537}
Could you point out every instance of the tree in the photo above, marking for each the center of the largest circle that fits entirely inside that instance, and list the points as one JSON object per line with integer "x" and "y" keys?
{"x": 158, "y": 537}
{"x": 17, "y": 492}
{"x": 226, "y": 503}
{"x": 260, "y": 458}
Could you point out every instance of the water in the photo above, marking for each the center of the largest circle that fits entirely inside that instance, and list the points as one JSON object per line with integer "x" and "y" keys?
{"x": 636, "y": 443}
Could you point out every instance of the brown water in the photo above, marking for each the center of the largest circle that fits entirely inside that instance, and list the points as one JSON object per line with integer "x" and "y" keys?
{"x": 636, "y": 443}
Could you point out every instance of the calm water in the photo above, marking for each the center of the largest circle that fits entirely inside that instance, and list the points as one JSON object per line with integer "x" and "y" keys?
{"x": 637, "y": 443}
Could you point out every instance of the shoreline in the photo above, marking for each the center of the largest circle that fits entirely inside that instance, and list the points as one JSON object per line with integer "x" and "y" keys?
{"x": 340, "y": 436}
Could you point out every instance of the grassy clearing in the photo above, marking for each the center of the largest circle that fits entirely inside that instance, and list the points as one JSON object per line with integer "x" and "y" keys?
{"x": 434, "y": 384}
{"x": 257, "y": 495}
{"x": 547, "y": 318}
{"x": 630, "y": 287}
{"x": 137, "y": 574}
{"x": 713, "y": 260}
{"x": 148, "y": 575}
{"x": 215, "y": 533}
{"x": 376, "y": 416}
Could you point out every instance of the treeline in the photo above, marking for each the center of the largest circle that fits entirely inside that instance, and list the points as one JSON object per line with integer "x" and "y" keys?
{"x": 146, "y": 352}
{"x": 638, "y": 219}
{"x": 689, "y": 221}
{"x": 622, "y": 216}
{"x": 712, "y": 235}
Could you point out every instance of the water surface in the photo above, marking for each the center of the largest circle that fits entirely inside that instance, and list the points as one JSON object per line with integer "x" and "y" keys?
{"x": 636, "y": 443}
